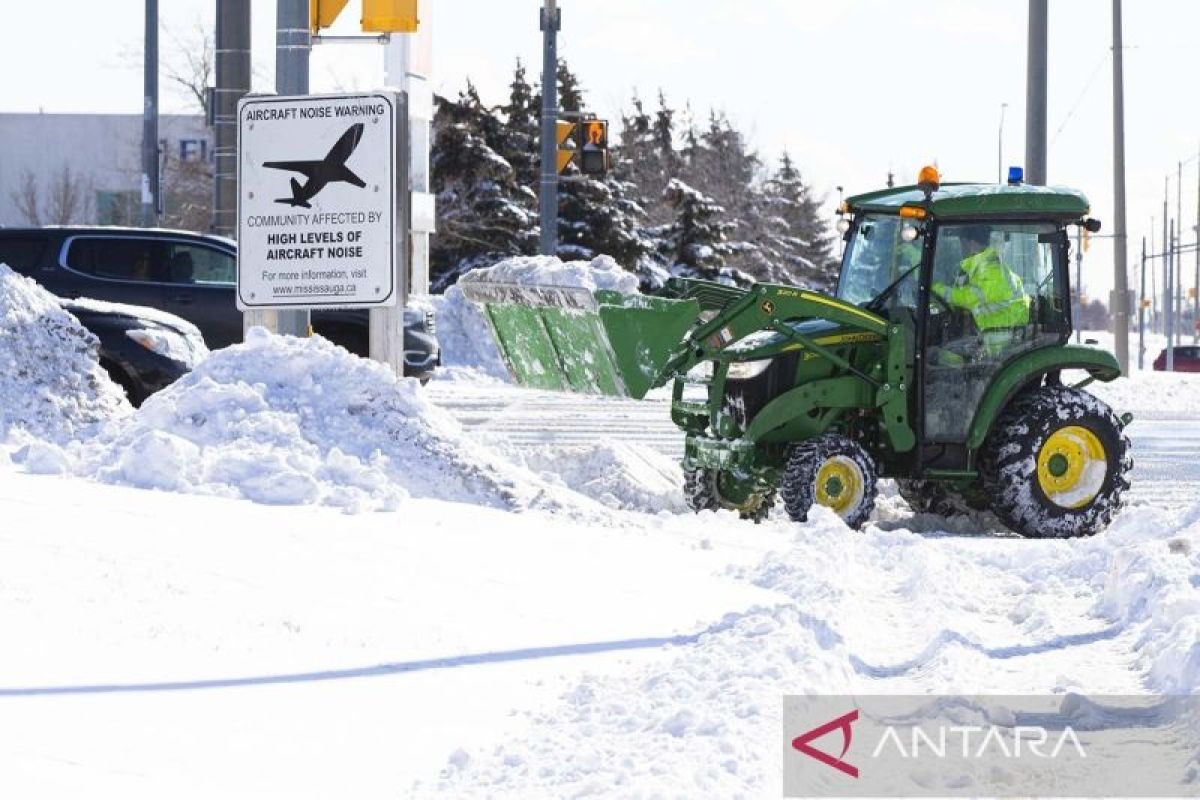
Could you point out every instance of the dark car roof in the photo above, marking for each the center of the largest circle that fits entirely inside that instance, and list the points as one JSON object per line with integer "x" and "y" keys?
{"x": 114, "y": 230}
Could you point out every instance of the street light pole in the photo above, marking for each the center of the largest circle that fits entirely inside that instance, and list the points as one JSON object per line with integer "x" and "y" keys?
{"x": 1120, "y": 311}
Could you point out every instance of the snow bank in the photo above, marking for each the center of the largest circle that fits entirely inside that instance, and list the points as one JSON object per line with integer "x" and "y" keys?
{"x": 619, "y": 475}
{"x": 285, "y": 421}
{"x": 51, "y": 382}
{"x": 602, "y": 272}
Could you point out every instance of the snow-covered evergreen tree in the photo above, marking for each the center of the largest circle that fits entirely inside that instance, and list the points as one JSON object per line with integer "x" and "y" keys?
{"x": 696, "y": 243}
{"x": 483, "y": 212}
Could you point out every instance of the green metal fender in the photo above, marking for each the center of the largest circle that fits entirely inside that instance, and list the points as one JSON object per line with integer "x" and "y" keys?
{"x": 792, "y": 407}
{"x": 1099, "y": 364}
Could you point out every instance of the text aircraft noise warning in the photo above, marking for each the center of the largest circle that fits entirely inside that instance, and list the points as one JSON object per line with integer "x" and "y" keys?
{"x": 331, "y": 169}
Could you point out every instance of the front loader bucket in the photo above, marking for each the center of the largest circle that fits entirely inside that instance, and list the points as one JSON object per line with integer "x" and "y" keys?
{"x": 565, "y": 338}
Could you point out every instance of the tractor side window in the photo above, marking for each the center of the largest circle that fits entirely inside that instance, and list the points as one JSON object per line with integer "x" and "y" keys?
{"x": 876, "y": 257}
{"x": 994, "y": 293}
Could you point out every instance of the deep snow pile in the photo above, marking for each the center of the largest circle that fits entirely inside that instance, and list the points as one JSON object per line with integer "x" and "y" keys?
{"x": 602, "y": 272}
{"x": 1164, "y": 394}
{"x": 466, "y": 339}
{"x": 286, "y": 420}
{"x": 51, "y": 382}
{"x": 1118, "y": 613}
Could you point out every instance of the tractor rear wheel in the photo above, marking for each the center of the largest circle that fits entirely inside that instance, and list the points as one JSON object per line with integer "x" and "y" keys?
{"x": 934, "y": 497}
{"x": 1056, "y": 464}
{"x": 831, "y": 470}
{"x": 702, "y": 492}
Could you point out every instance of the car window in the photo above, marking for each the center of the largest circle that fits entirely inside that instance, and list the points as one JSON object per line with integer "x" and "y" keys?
{"x": 189, "y": 263}
{"x": 116, "y": 259}
{"x": 22, "y": 253}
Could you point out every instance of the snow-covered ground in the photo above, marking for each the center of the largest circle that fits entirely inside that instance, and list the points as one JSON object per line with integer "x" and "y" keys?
{"x": 292, "y": 575}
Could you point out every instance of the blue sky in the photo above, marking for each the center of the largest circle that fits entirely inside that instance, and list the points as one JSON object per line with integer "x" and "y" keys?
{"x": 852, "y": 88}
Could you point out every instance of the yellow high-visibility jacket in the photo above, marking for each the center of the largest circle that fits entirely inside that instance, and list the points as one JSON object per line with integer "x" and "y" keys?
{"x": 994, "y": 294}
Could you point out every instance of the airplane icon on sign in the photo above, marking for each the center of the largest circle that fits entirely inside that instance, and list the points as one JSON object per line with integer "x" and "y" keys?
{"x": 331, "y": 169}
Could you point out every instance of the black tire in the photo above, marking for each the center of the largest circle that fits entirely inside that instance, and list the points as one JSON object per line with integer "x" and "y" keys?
{"x": 808, "y": 461}
{"x": 133, "y": 393}
{"x": 1018, "y": 467}
{"x": 934, "y": 497}
{"x": 702, "y": 493}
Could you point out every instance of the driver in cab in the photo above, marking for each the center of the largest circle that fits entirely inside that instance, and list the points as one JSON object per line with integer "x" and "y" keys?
{"x": 988, "y": 290}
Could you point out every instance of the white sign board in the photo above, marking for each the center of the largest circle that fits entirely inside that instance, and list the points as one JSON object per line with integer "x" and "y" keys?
{"x": 317, "y": 213}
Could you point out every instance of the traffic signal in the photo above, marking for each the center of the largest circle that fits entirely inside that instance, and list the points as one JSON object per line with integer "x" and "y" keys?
{"x": 389, "y": 16}
{"x": 592, "y": 138}
{"x": 564, "y": 135}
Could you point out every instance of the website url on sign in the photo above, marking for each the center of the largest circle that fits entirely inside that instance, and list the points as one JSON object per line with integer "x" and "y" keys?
{"x": 319, "y": 288}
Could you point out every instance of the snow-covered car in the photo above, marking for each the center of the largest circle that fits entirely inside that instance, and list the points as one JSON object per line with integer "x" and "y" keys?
{"x": 142, "y": 349}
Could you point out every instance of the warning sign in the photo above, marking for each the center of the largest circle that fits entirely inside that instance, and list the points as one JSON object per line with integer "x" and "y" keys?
{"x": 317, "y": 201}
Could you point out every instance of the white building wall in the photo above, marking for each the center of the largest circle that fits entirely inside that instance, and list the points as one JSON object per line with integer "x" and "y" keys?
{"x": 102, "y": 151}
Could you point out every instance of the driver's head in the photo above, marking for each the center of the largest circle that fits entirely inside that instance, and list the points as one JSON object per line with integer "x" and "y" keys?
{"x": 974, "y": 238}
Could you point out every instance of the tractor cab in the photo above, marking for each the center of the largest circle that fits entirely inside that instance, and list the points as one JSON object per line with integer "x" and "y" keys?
{"x": 980, "y": 270}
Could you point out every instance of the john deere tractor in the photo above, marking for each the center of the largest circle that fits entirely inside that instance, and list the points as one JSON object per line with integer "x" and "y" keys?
{"x": 908, "y": 371}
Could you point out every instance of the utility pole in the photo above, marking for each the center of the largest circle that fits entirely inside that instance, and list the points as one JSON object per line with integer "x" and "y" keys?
{"x": 1079, "y": 284}
{"x": 1196, "y": 297}
{"x": 1171, "y": 297}
{"x": 1177, "y": 260}
{"x": 551, "y": 20}
{"x": 1035, "y": 96}
{"x": 1120, "y": 313}
{"x": 232, "y": 83}
{"x": 1142, "y": 312}
{"x": 1000, "y": 147}
{"x": 293, "y": 41}
{"x": 150, "y": 187}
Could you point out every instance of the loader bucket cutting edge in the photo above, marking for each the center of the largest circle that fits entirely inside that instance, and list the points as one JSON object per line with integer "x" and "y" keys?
{"x": 567, "y": 339}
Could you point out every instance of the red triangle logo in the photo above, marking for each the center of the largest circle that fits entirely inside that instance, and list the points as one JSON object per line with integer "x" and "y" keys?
{"x": 843, "y": 722}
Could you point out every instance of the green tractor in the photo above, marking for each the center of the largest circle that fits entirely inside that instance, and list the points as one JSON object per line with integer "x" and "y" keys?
{"x": 939, "y": 361}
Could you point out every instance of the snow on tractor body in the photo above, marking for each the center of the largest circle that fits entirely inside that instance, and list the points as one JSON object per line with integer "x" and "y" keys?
{"x": 938, "y": 361}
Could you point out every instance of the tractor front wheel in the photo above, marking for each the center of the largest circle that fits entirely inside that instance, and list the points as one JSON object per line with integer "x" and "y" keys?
{"x": 831, "y": 470}
{"x": 1056, "y": 464}
{"x": 702, "y": 492}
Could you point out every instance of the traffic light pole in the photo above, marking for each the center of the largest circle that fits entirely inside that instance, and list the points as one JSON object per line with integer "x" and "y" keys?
{"x": 551, "y": 20}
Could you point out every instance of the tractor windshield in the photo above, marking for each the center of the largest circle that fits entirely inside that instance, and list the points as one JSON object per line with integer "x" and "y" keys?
{"x": 876, "y": 257}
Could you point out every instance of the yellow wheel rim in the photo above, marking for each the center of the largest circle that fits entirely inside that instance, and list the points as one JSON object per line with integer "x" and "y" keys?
{"x": 839, "y": 485}
{"x": 1071, "y": 467}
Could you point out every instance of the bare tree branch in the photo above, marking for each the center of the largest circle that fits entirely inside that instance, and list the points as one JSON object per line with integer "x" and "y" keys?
{"x": 26, "y": 199}
{"x": 190, "y": 65}
{"x": 70, "y": 198}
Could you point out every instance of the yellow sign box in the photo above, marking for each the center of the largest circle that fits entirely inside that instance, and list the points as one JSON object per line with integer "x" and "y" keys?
{"x": 322, "y": 13}
{"x": 390, "y": 16}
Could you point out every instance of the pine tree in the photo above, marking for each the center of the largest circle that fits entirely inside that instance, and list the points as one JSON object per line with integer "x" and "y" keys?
{"x": 519, "y": 142}
{"x": 791, "y": 233}
{"x": 482, "y": 210}
{"x": 696, "y": 243}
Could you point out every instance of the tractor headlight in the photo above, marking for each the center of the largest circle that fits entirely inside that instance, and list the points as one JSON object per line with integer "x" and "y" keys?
{"x": 843, "y": 225}
{"x": 745, "y": 370}
{"x": 909, "y": 232}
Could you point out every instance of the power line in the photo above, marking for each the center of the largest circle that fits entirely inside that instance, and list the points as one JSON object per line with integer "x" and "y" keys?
{"x": 1082, "y": 95}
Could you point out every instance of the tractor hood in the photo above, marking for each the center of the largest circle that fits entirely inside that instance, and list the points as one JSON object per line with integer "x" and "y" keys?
{"x": 765, "y": 344}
